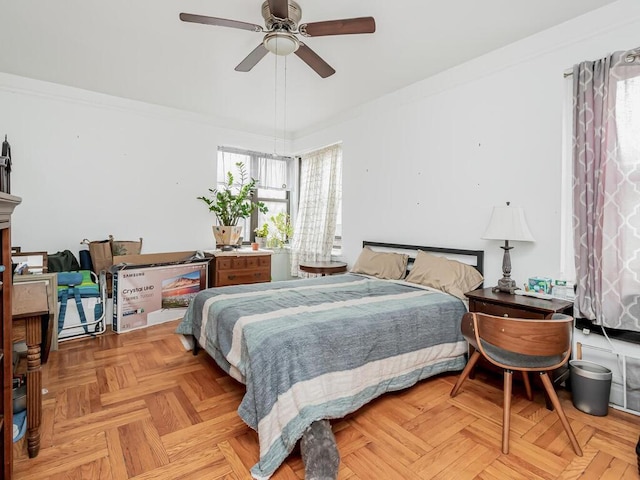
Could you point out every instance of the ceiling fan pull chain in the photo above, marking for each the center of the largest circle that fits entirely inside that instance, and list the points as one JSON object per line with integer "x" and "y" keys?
{"x": 284, "y": 119}
{"x": 275, "y": 108}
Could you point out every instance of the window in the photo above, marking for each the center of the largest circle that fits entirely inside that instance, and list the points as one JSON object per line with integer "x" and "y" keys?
{"x": 606, "y": 189}
{"x": 627, "y": 117}
{"x": 319, "y": 211}
{"x": 276, "y": 177}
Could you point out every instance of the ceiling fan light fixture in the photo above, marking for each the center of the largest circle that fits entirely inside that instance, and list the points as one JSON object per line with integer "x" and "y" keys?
{"x": 281, "y": 43}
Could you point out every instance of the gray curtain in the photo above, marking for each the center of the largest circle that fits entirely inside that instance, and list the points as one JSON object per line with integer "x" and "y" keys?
{"x": 606, "y": 193}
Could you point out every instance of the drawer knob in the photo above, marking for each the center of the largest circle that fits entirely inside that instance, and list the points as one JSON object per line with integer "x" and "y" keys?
{"x": 505, "y": 315}
{"x": 231, "y": 277}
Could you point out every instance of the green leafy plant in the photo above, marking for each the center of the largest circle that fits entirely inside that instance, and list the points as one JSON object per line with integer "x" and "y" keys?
{"x": 262, "y": 231}
{"x": 283, "y": 230}
{"x": 231, "y": 202}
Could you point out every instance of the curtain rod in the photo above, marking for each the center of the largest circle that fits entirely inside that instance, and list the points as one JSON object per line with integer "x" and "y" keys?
{"x": 241, "y": 151}
{"x": 629, "y": 58}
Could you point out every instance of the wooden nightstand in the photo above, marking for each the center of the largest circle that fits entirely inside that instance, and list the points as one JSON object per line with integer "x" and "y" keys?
{"x": 501, "y": 304}
{"x": 485, "y": 300}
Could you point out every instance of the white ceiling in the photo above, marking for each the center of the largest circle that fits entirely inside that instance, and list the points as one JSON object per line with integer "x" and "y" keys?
{"x": 139, "y": 49}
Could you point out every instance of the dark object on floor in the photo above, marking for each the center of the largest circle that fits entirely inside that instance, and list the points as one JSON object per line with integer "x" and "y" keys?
{"x": 319, "y": 452}
{"x": 19, "y": 399}
{"x": 638, "y": 454}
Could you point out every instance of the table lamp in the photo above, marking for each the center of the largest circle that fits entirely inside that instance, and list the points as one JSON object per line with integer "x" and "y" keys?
{"x": 508, "y": 224}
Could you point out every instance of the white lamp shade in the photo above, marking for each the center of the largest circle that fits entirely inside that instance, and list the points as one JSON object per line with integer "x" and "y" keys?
{"x": 508, "y": 223}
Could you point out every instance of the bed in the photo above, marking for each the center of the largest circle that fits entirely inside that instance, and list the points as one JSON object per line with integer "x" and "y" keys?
{"x": 320, "y": 348}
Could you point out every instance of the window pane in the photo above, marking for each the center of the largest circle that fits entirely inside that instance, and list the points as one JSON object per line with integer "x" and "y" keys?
{"x": 628, "y": 120}
{"x": 271, "y": 173}
{"x": 276, "y": 179}
{"x": 267, "y": 193}
{"x": 227, "y": 163}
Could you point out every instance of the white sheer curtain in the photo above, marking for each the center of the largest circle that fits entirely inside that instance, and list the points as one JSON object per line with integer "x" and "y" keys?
{"x": 320, "y": 196}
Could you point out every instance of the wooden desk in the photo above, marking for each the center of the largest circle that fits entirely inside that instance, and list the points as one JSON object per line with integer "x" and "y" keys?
{"x": 323, "y": 268}
{"x": 29, "y": 305}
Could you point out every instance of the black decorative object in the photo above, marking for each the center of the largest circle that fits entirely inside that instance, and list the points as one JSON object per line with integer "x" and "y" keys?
{"x": 5, "y": 167}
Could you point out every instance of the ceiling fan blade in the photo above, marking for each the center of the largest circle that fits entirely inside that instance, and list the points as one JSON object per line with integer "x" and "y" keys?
{"x": 345, "y": 26}
{"x": 252, "y": 59}
{"x": 220, "y": 22}
{"x": 279, "y": 8}
{"x": 312, "y": 59}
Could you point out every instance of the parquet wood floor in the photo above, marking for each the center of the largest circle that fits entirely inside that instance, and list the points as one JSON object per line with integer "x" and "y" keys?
{"x": 138, "y": 406}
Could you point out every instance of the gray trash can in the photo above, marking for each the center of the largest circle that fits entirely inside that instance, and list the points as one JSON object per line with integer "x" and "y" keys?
{"x": 590, "y": 387}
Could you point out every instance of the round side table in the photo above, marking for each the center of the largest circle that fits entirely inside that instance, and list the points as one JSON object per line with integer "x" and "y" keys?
{"x": 323, "y": 268}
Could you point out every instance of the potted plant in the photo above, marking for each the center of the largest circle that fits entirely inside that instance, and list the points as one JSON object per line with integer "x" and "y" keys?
{"x": 283, "y": 230}
{"x": 261, "y": 234}
{"x": 231, "y": 202}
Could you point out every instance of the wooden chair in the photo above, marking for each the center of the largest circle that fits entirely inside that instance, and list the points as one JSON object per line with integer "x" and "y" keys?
{"x": 524, "y": 345}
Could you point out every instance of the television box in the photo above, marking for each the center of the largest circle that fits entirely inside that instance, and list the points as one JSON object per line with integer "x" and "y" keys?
{"x": 155, "y": 288}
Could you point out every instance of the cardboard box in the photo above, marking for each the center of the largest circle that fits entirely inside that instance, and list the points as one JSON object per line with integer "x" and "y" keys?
{"x": 155, "y": 288}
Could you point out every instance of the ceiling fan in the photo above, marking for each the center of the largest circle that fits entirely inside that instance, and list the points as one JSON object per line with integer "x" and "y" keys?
{"x": 282, "y": 19}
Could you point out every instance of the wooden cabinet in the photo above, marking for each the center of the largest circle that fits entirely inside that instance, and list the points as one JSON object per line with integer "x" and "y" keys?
{"x": 7, "y": 204}
{"x": 237, "y": 268}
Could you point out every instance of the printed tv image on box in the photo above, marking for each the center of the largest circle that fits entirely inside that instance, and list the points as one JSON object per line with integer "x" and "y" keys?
{"x": 178, "y": 291}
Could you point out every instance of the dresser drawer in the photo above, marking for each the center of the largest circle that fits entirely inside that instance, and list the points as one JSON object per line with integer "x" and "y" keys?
{"x": 224, "y": 263}
{"x": 263, "y": 261}
{"x": 503, "y": 310}
{"x": 237, "y": 277}
{"x": 238, "y": 263}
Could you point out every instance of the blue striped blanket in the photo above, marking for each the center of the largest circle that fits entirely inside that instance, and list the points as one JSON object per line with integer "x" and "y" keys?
{"x": 322, "y": 347}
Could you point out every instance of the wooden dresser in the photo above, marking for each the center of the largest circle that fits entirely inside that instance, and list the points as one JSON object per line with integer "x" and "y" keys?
{"x": 239, "y": 267}
{"x": 7, "y": 205}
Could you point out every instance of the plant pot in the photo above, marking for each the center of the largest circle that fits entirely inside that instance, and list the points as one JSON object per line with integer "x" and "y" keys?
{"x": 227, "y": 235}
{"x": 261, "y": 241}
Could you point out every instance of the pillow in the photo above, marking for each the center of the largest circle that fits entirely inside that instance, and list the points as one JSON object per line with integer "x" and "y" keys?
{"x": 386, "y": 265}
{"x": 443, "y": 274}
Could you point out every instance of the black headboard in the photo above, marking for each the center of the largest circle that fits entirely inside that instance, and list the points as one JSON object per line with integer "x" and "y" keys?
{"x": 474, "y": 258}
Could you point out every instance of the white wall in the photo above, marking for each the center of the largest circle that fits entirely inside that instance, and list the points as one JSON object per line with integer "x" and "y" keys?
{"x": 426, "y": 164}
{"x": 423, "y": 165}
{"x": 88, "y": 165}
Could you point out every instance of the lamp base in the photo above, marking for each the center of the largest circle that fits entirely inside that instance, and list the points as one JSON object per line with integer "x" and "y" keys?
{"x": 505, "y": 285}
